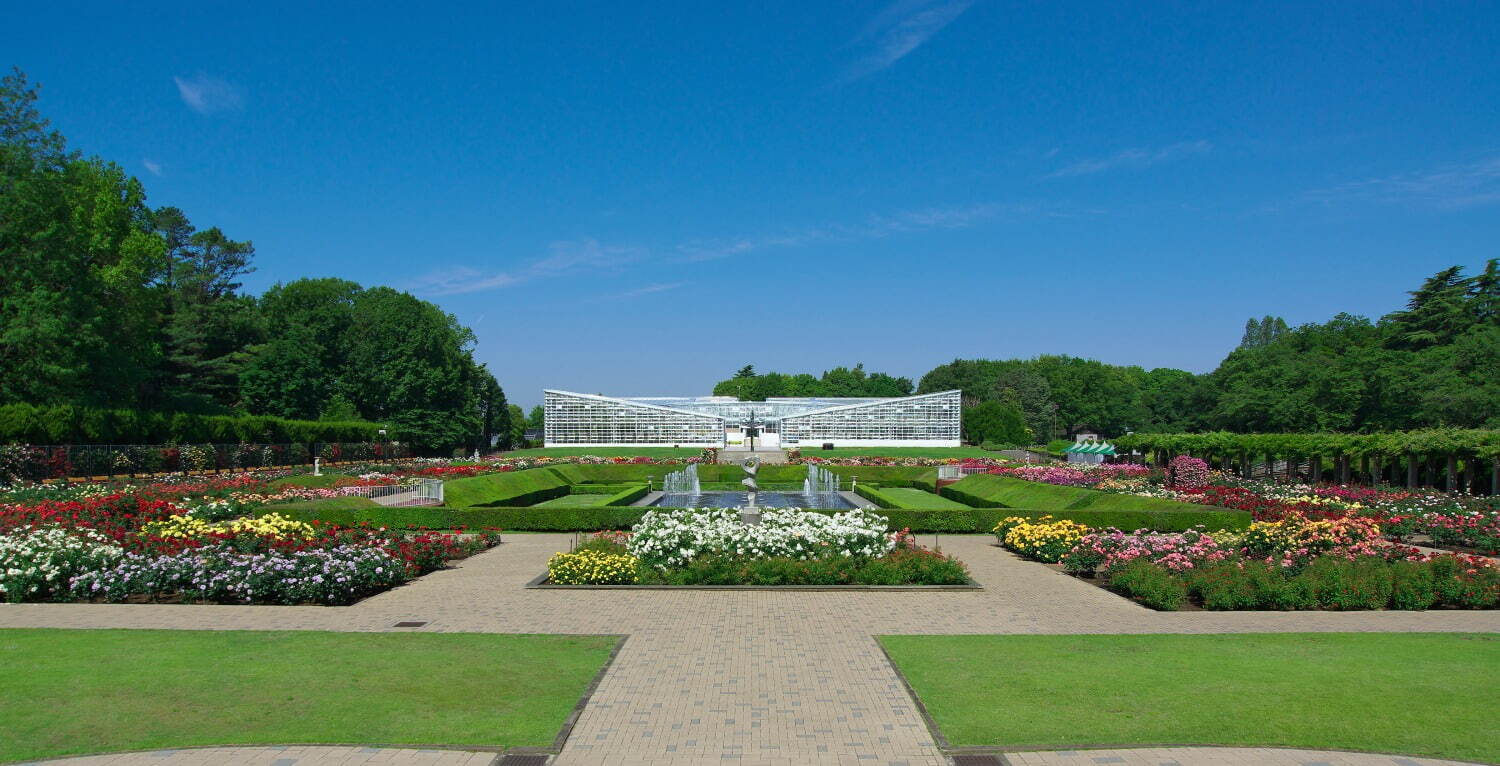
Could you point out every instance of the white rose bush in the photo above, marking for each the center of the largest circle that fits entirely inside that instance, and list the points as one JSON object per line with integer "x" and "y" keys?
{"x": 711, "y": 546}
{"x": 665, "y": 539}
{"x": 38, "y": 563}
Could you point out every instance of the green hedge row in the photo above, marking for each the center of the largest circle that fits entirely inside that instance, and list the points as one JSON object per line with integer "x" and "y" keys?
{"x": 65, "y": 424}
{"x": 588, "y": 519}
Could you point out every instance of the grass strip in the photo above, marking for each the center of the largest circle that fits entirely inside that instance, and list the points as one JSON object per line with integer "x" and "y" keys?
{"x": 1414, "y": 693}
{"x": 69, "y": 692}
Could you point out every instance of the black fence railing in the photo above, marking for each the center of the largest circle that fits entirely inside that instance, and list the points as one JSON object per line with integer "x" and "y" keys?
{"x": 30, "y": 462}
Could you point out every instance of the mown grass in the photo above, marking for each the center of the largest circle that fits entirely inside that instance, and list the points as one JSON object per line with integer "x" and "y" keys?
{"x": 513, "y": 488}
{"x": 1416, "y": 693}
{"x": 327, "y": 504}
{"x": 919, "y": 499}
{"x": 1010, "y": 492}
{"x": 575, "y": 501}
{"x": 87, "y": 691}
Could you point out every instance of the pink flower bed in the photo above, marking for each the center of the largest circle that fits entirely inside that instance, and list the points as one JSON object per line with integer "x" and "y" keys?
{"x": 1104, "y": 551}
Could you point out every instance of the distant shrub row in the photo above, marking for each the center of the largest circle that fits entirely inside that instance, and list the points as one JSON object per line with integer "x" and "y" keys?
{"x": 26, "y": 463}
{"x": 65, "y": 424}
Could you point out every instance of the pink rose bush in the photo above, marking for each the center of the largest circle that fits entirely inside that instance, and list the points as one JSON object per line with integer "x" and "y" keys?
{"x": 1105, "y": 552}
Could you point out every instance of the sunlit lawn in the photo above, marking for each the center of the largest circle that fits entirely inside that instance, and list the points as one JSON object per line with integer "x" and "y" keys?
{"x": 87, "y": 691}
{"x": 1413, "y": 693}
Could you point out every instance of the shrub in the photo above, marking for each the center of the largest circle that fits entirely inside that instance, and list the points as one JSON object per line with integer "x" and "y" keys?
{"x": 1186, "y": 471}
{"x": 1150, "y": 584}
{"x": 1232, "y": 585}
{"x": 591, "y": 567}
{"x": 672, "y": 538}
{"x": 1343, "y": 584}
{"x": 1463, "y": 583}
{"x": 1046, "y": 540}
{"x": 1179, "y": 551}
{"x": 1412, "y": 585}
{"x": 36, "y": 563}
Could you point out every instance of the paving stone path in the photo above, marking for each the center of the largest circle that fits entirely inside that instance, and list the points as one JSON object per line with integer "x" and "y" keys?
{"x": 743, "y": 677}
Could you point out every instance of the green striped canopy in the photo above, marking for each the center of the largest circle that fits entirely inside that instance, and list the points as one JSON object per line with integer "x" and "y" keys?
{"x": 1091, "y": 448}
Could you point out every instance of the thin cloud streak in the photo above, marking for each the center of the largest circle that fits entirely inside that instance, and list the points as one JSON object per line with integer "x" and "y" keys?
{"x": 570, "y": 258}
{"x": 564, "y": 258}
{"x": 153, "y": 167}
{"x": 208, "y": 95}
{"x": 1138, "y": 157}
{"x": 875, "y": 227}
{"x": 899, "y": 29}
{"x": 649, "y": 289}
{"x": 1456, "y": 186}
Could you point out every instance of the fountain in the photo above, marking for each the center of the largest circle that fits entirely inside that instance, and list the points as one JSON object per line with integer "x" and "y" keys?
{"x": 820, "y": 481}
{"x": 750, "y": 514}
{"x": 684, "y": 483}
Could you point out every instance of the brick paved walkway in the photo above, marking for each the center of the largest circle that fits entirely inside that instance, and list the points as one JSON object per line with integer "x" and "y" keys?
{"x": 783, "y": 678}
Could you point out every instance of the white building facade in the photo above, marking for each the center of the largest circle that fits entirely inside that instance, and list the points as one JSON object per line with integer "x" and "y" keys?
{"x": 591, "y": 420}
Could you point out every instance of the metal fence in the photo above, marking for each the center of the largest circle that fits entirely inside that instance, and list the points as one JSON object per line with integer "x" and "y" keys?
{"x": 425, "y": 492}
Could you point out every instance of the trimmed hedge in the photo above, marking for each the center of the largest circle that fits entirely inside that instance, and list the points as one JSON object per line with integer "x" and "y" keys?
{"x": 588, "y": 519}
{"x": 65, "y": 424}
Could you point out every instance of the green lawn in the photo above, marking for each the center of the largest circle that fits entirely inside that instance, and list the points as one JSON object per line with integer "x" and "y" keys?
{"x": 328, "y": 504}
{"x": 813, "y": 450}
{"x": 920, "y": 499}
{"x": 1414, "y": 693}
{"x": 575, "y": 501}
{"x": 607, "y": 452}
{"x": 308, "y": 480}
{"x": 88, "y": 691}
{"x": 515, "y": 488}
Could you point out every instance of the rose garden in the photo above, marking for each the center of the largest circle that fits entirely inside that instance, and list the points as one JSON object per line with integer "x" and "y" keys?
{"x": 1177, "y": 538}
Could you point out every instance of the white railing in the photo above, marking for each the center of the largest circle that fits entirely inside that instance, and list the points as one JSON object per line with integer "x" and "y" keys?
{"x": 960, "y": 471}
{"x": 424, "y": 492}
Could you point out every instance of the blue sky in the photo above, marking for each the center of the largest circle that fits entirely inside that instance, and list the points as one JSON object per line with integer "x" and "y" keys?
{"x": 639, "y": 199}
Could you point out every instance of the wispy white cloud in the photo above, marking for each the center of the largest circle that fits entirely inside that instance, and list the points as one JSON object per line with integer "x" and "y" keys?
{"x": 207, "y": 95}
{"x": 1138, "y": 157}
{"x": 588, "y": 255}
{"x": 899, "y": 29}
{"x": 153, "y": 167}
{"x": 649, "y": 289}
{"x": 1460, "y": 185}
{"x": 875, "y": 227}
{"x": 563, "y": 258}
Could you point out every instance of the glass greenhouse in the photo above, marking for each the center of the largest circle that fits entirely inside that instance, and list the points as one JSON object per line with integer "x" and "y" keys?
{"x": 590, "y": 420}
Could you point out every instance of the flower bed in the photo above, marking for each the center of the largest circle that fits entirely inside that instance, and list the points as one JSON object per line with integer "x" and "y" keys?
{"x": 156, "y": 543}
{"x": 789, "y": 547}
{"x": 1295, "y": 562}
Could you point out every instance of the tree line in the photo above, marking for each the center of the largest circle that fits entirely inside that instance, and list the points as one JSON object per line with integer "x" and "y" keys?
{"x": 750, "y": 386}
{"x": 1431, "y": 364}
{"x": 107, "y": 303}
